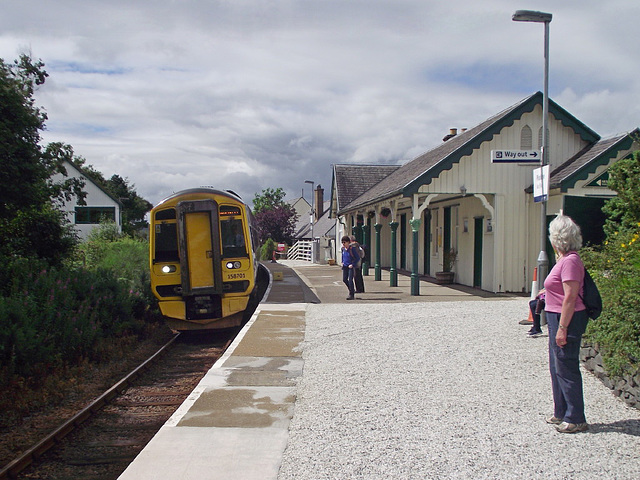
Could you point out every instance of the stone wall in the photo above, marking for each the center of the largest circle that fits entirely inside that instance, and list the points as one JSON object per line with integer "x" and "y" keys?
{"x": 627, "y": 386}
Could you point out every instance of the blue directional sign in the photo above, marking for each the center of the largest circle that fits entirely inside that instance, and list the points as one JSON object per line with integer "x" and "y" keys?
{"x": 515, "y": 156}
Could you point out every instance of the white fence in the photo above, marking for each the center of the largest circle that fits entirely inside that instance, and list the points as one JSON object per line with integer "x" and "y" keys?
{"x": 301, "y": 250}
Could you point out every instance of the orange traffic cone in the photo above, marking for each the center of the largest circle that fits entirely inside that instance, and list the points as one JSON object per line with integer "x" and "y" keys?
{"x": 534, "y": 284}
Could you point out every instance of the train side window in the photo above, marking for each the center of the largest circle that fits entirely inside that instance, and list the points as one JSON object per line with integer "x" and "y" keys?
{"x": 233, "y": 241}
{"x": 166, "y": 242}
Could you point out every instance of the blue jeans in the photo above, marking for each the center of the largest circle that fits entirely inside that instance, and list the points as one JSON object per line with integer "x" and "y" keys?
{"x": 347, "y": 278}
{"x": 564, "y": 366}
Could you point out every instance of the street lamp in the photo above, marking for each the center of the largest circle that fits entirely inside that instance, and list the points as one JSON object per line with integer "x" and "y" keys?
{"x": 311, "y": 215}
{"x": 541, "y": 17}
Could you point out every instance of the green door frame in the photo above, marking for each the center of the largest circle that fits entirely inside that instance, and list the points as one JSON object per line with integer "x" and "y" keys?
{"x": 403, "y": 241}
{"x": 427, "y": 242}
{"x": 478, "y": 233}
{"x": 446, "y": 241}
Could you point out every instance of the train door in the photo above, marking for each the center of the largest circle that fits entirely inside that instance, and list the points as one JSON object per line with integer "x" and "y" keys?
{"x": 199, "y": 244}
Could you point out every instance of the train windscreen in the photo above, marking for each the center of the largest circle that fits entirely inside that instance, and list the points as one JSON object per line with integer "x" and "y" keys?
{"x": 166, "y": 238}
{"x": 233, "y": 240}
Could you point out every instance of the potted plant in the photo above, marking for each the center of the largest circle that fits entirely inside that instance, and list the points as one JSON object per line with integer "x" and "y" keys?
{"x": 447, "y": 275}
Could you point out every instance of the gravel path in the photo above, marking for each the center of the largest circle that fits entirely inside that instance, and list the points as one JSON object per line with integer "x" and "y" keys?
{"x": 443, "y": 390}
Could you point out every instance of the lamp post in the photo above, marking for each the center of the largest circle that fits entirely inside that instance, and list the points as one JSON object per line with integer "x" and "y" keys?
{"x": 541, "y": 17}
{"x": 313, "y": 240}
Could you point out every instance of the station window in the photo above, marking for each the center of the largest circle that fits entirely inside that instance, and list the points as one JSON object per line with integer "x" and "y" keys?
{"x": 95, "y": 215}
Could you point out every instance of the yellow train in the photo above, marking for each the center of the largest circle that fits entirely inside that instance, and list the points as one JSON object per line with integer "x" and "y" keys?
{"x": 203, "y": 258}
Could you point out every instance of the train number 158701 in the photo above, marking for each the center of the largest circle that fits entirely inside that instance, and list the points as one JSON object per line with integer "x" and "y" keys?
{"x": 235, "y": 276}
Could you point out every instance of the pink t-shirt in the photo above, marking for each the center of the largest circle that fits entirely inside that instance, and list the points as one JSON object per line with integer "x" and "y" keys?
{"x": 569, "y": 268}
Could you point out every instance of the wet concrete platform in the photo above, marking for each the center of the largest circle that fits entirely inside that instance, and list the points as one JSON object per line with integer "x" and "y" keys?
{"x": 235, "y": 422}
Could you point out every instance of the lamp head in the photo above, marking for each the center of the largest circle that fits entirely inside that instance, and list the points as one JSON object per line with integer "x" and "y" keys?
{"x": 531, "y": 16}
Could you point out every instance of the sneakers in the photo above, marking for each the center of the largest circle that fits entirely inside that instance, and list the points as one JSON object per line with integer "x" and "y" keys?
{"x": 565, "y": 427}
{"x": 534, "y": 333}
{"x": 554, "y": 420}
{"x": 351, "y": 297}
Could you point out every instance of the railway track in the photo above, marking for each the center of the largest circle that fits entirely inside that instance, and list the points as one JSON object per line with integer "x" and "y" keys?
{"x": 101, "y": 440}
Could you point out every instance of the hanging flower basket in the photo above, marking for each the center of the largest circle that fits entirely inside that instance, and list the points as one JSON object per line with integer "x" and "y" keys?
{"x": 385, "y": 212}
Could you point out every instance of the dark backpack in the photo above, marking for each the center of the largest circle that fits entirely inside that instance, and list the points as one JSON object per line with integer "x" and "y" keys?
{"x": 591, "y": 296}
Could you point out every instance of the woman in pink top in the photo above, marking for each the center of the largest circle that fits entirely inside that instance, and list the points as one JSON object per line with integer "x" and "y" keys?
{"x": 567, "y": 320}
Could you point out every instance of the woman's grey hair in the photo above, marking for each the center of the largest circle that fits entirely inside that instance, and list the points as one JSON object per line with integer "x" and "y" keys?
{"x": 564, "y": 234}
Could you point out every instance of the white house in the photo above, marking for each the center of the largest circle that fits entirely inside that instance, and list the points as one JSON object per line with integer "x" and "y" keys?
{"x": 455, "y": 197}
{"x": 323, "y": 225}
{"x": 99, "y": 205}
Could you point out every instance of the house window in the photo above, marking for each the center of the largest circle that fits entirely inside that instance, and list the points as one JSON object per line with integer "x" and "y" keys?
{"x": 526, "y": 138}
{"x": 94, "y": 215}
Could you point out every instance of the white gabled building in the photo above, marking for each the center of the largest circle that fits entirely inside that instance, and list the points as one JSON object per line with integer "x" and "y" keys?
{"x": 455, "y": 197}
{"x": 99, "y": 205}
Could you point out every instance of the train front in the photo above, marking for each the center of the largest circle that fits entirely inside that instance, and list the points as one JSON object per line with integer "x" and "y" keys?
{"x": 201, "y": 259}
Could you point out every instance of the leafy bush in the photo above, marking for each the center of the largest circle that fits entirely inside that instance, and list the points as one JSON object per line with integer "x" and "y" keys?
{"x": 267, "y": 249}
{"x": 51, "y": 317}
{"x": 54, "y": 317}
{"x": 615, "y": 270}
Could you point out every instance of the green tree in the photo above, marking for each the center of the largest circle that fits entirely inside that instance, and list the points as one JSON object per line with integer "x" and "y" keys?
{"x": 614, "y": 266}
{"x": 31, "y": 223}
{"x": 623, "y": 210}
{"x": 268, "y": 200}
{"x": 275, "y": 218}
{"x": 134, "y": 207}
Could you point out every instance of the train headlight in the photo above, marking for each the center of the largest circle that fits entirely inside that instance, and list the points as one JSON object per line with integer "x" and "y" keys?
{"x": 233, "y": 265}
{"x": 168, "y": 269}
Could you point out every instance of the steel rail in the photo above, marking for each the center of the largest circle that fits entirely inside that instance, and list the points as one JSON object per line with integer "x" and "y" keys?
{"x": 13, "y": 468}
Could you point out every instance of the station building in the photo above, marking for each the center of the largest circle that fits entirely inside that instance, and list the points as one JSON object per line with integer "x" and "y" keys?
{"x": 454, "y": 198}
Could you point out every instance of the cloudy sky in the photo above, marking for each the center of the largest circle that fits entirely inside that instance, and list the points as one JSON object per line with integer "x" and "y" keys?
{"x": 250, "y": 94}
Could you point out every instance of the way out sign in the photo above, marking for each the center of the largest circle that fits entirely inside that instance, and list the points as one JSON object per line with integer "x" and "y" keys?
{"x": 515, "y": 156}
{"x": 541, "y": 184}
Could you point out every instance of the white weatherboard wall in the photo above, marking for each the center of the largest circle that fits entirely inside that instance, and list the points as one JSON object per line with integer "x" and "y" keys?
{"x": 514, "y": 240}
{"x": 96, "y": 197}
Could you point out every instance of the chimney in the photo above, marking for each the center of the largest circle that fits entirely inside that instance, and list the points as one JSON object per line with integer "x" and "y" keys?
{"x": 452, "y": 133}
{"x": 319, "y": 202}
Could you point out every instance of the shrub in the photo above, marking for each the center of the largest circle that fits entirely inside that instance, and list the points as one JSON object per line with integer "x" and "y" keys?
{"x": 127, "y": 258}
{"x": 267, "y": 249}
{"x": 615, "y": 270}
{"x": 53, "y": 317}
